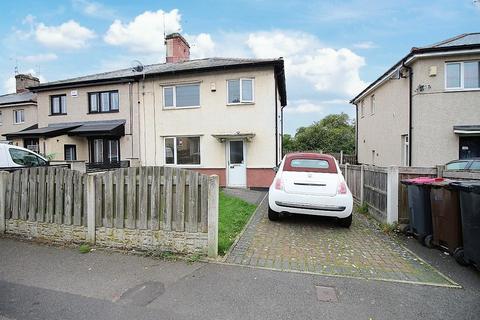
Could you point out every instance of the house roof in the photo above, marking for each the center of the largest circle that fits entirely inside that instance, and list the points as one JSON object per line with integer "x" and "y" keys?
{"x": 463, "y": 42}
{"x": 16, "y": 98}
{"x": 190, "y": 66}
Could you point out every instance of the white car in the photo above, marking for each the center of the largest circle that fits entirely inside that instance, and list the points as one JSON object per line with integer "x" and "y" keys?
{"x": 311, "y": 184}
{"x": 13, "y": 156}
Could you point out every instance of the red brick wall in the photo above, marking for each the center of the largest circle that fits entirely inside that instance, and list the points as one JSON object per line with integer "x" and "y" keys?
{"x": 256, "y": 177}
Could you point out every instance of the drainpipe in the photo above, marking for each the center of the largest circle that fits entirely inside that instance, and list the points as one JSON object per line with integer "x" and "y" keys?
{"x": 410, "y": 83}
{"x": 276, "y": 124}
{"x": 356, "y": 132}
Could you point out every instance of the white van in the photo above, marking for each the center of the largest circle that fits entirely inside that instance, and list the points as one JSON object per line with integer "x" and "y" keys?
{"x": 13, "y": 156}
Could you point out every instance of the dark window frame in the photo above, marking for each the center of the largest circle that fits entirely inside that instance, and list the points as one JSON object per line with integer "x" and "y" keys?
{"x": 91, "y": 148}
{"x": 65, "y": 146}
{"x": 60, "y": 113}
{"x": 99, "y": 102}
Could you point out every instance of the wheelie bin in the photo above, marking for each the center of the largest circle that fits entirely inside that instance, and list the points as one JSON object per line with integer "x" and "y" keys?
{"x": 419, "y": 207}
{"x": 469, "y": 194}
{"x": 446, "y": 221}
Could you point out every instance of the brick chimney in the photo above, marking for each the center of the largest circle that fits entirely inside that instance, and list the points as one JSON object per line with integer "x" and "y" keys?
{"x": 23, "y": 81}
{"x": 178, "y": 49}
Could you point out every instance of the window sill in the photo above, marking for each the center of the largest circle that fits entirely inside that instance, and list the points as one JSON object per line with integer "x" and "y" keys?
{"x": 461, "y": 89}
{"x": 19, "y": 122}
{"x": 97, "y": 112}
{"x": 240, "y": 104}
{"x": 180, "y": 108}
{"x": 57, "y": 114}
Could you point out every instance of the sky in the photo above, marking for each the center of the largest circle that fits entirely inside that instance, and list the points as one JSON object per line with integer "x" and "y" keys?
{"x": 332, "y": 49}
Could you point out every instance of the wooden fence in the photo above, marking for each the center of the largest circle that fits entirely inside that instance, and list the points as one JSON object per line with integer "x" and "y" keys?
{"x": 137, "y": 198}
{"x": 381, "y": 188}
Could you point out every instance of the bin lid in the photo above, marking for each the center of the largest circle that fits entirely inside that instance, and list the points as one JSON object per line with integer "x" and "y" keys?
{"x": 422, "y": 180}
{"x": 445, "y": 183}
{"x": 468, "y": 185}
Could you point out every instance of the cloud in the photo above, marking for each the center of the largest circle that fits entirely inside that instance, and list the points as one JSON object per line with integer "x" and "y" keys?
{"x": 68, "y": 35}
{"x": 305, "y": 106}
{"x": 42, "y": 57}
{"x": 328, "y": 69}
{"x": 94, "y": 9}
{"x": 145, "y": 32}
{"x": 9, "y": 85}
{"x": 365, "y": 45}
{"x": 201, "y": 45}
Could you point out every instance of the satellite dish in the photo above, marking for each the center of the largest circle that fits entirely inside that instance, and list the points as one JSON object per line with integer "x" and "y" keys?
{"x": 137, "y": 66}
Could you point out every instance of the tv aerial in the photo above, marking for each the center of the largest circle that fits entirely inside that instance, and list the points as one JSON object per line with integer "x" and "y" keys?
{"x": 137, "y": 66}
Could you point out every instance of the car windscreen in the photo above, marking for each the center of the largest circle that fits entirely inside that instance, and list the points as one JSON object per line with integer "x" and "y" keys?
{"x": 25, "y": 158}
{"x": 310, "y": 165}
{"x": 459, "y": 165}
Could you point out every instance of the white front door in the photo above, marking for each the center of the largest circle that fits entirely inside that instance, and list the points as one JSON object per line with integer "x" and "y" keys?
{"x": 236, "y": 166}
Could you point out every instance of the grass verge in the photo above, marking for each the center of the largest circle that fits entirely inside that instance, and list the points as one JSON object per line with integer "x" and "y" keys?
{"x": 233, "y": 215}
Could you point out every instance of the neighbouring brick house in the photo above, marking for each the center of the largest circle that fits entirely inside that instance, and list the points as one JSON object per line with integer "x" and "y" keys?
{"x": 425, "y": 109}
{"x": 217, "y": 115}
{"x": 18, "y": 111}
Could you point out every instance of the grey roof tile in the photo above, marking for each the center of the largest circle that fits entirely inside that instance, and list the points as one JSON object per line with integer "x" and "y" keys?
{"x": 460, "y": 40}
{"x": 14, "y": 98}
{"x": 161, "y": 68}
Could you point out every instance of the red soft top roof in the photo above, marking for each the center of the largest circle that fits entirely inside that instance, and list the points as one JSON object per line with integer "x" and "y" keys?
{"x": 332, "y": 168}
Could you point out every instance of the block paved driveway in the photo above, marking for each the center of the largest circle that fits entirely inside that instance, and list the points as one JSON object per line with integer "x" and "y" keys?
{"x": 317, "y": 245}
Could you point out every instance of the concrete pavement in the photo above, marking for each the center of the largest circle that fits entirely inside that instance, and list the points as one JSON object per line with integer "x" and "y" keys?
{"x": 39, "y": 282}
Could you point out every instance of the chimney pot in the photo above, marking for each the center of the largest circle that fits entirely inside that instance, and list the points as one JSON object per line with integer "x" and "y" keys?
{"x": 178, "y": 49}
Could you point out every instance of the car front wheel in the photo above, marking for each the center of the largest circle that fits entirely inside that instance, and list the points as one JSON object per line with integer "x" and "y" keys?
{"x": 345, "y": 222}
{"x": 273, "y": 215}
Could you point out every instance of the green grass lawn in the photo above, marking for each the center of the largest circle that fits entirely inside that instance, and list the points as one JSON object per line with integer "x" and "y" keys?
{"x": 233, "y": 215}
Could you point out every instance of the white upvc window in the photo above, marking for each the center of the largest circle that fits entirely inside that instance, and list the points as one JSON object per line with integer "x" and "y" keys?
{"x": 182, "y": 150}
{"x": 1, "y": 118}
{"x": 462, "y": 75}
{"x": 240, "y": 91}
{"x": 18, "y": 116}
{"x": 181, "y": 96}
{"x": 362, "y": 108}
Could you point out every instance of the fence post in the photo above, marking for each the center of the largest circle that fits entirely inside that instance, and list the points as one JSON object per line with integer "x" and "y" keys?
{"x": 341, "y": 156}
{"x": 213, "y": 190}
{"x": 440, "y": 169}
{"x": 3, "y": 191}
{"x": 362, "y": 174}
{"x": 346, "y": 173}
{"x": 392, "y": 194}
{"x": 90, "y": 208}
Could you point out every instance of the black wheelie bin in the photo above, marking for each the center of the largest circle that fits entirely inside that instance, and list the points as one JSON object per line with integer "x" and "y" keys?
{"x": 419, "y": 207}
{"x": 469, "y": 194}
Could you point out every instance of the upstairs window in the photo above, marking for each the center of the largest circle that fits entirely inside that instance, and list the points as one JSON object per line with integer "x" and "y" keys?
{"x": 240, "y": 91}
{"x": 1, "y": 118}
{"x": 18, "y": 116}
{"x": 106, "y": 101}
{"x": 58, "y": 105}
{"x": 463, "y": 75}
{"x": 181, "y": 96}
{"x": 362, "y": 109}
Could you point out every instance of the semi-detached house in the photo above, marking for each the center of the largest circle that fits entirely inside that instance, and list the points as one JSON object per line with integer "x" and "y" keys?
{"x": 425, "y": 109}
{"x": 217, "y": 116}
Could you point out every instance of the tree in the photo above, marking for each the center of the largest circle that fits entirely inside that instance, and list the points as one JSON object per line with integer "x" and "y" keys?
{"x": 333, "y": 133}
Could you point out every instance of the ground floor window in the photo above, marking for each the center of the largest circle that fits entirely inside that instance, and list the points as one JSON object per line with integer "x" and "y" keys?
{"x": 70, "y": 152}
{"x": 469, "y": 147}
{"x": 104, "y": 150}
{"x": 405, "y": 150}
{"x": 31, "y": 144}
{"x": 182, "y": 150}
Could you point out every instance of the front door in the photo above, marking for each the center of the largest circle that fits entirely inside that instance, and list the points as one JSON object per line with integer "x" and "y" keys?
{"x": 236, "y": 167}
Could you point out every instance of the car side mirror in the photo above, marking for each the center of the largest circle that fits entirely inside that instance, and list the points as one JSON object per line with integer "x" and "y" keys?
{"x": 275, "y": 168}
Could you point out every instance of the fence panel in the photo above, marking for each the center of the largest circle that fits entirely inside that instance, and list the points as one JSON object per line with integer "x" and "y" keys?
{"x": 375, "y": 191}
